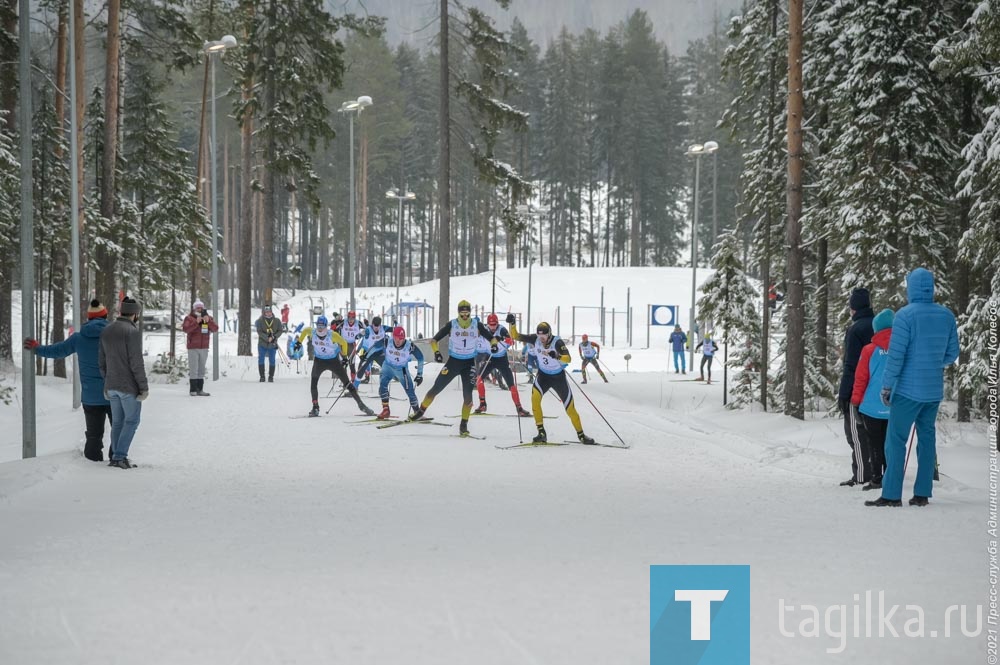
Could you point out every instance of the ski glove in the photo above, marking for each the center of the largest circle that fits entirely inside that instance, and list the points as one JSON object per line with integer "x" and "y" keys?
{"x": 553, "y": 353}
{"x": 438, "y": 358}
{"x": 493, "y": 346}
{"x": 30, "y": 344}
{"x": 511, "y": 319}
{"x": 418, "y": 379}
{"x": 345, "y": 361}
{"x": 143, "y": 395}
{"x": 297, "y": 346}
{"x": 886, "y": 396}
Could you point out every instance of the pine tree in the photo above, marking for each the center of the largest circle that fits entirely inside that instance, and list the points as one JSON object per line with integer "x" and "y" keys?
{"x": 731, "y": 303}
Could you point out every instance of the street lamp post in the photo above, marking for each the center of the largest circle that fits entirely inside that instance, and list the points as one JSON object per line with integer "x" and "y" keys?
{"x": 697, "y": 150}
{"x": 399, "y": 194}
{"x": 211, "y": 48}
{"x": 353, "y": 108}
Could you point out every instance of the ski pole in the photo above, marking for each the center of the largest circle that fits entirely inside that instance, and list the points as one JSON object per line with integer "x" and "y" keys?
{"x": 909, "y": 447}
{"x": 338, "y": 398}
{"x": 520, "y": 436}
{"x": 595, "y": 408}
{"x": 605, "y": 366}
{"x": 349, "y": 358}
{"x": 284, "y": 358}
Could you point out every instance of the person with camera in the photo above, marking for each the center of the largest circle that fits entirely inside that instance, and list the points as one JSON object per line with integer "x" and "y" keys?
{"x": 198, "y": 325}
{"x": 269, "y": 329}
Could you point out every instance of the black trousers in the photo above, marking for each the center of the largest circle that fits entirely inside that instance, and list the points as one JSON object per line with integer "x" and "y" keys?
{"x": 861, "y": 458}
{"x": 94, "y": 414}
{"x": 335, "y": 366}
{"x": 873, "y": 443}
{"x": 465, "y": 369}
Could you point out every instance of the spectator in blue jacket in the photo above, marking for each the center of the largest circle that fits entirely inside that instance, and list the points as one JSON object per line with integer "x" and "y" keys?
{"x": 85, "y": 345}
{"x": 924, "y": 342}
{"x": 678, "y": 340}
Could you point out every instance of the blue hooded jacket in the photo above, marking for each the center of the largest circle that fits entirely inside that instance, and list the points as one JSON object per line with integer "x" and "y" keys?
{"x": 84, "y": 344}
{"x": 924, "y": 342}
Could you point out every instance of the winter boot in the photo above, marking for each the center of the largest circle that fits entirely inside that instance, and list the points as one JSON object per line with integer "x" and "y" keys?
{"x": 270, "y": 374}
{"x": 541, "y": 436}
{"x": 882, "y": 502}
{"x": 385, "y": 411}
{"x": 873, "y": 485}
{"x": 463, "y": 428}
{"x": 918, "y": 501}
{"x": 194, "y": 389}
{"x": 522, "y": 413}
{"x": 850, "y": 482}
{"x": 314, "y": 412}
{"x": 585, "y": 439}
{"x": 482, "y": 406}
{"x": 261, "y": 368}
{"x": 201, "y": 389}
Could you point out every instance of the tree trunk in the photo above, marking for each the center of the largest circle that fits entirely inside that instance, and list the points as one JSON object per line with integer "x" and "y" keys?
{"x": 59, "y": 262}
{"x": 80, "y": 46}
{"x": 444, "y": 176}
{"x": 822, "y": 306}
{"x": 266, "y": 276}
{"x": 106, "y": 260}
{"x": 795, "y": 310}
{"x": 962, "y": 279}
{"x": 765, "y": 268}
{"x": 245, "y": 265}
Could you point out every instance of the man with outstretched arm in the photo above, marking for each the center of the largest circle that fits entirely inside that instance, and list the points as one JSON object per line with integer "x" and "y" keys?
{"x": 552, "y": 356}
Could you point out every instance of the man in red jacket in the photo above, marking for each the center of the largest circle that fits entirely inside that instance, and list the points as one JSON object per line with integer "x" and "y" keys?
{"x": 199, "y": 326}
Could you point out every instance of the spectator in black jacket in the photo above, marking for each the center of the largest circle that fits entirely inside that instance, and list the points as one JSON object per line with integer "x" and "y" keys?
{"x": 858, "y": 336}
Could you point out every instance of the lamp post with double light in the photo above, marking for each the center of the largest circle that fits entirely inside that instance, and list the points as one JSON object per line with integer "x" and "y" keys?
{"x": 211, "y": 49}
{"x": 696, "y": 150}
{"x": 399, "y": 194}
{"x": 352, "y": 108}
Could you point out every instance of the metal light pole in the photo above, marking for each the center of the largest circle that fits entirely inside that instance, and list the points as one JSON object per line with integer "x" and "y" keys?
{"x": 211, "y": 48}
{"x": 399, "y": 195}
{"x": 28, "y": 431}
{"x": 697, "y": 150}
{"x": 352, "y": 107}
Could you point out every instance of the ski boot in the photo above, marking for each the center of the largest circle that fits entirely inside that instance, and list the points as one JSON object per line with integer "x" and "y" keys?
{"x": 418, "y": 413}
{"x": 522, "y": 413}
{"x": 365, "y": 409}
{"x": 541, "y": 437}
{"x": 463, "y": 428}
{"x": 605, "y": 378}
{"x": 482, "y": 407}
{"x": 585, "y": 439}
{"x": 314, "y": 412}
{"x": 385, "y": 411}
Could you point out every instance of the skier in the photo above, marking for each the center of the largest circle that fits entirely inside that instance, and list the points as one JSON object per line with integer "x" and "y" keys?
{"x": 398, "y": 354}
{"x": 552, "y": 356}
{"x": 498, "y": 361}
{"x": 372, "y": 350}
{"x": 351, "y": 330}
{"x": 708, "y": 348}
{"x": 461, "y": 333}
{"x": 337, "y": 322}
{"x": 269, "y": 329}
{"x": 590, "y": 353}
{"x": 678, "y": 342}
{"x": 330, "y": 351}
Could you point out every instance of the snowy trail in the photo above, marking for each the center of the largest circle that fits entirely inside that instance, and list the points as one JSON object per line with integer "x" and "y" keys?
{"x": 246, "y": 537}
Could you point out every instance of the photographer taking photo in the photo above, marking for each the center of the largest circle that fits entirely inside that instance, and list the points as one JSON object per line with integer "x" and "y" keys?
{"x": 199, "y": 326}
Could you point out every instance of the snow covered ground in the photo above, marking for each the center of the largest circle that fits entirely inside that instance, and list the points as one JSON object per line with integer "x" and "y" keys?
{"x": 248, "y": 537}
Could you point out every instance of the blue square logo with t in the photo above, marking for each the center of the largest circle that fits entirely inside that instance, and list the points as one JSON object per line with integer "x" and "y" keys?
{"x": 699, "y": 615}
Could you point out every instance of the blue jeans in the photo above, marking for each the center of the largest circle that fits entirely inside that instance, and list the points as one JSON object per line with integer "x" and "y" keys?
{"x": 903, "y": 414}
{"x": 264, "y": 352}
{"x": 683, "y": 361}
{"x": 401, "y": 374}
{"x": 125, "y": 412}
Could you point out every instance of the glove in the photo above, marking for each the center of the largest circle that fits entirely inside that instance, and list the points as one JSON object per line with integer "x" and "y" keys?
{"x": 270, "y": 339}
{"x": 30, "y": 344}
{"x": 143, "y": 395}
{"x": 297, "y": 346}
{"x": 361, "y": 354}
{"x": 418, "y": 379}
{"x": 511, "y": 319}
{"x": 886, "y": 396}
{"x": 553, "y": 353}
{"x": 493, "y": 346}
{"x": 345, "y": 361}
{"x": 438, "y": 358}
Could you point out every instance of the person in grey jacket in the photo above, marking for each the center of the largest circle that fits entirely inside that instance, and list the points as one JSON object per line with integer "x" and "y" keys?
{"x": 269, "y": 329}
{"x": 125, "y": 384}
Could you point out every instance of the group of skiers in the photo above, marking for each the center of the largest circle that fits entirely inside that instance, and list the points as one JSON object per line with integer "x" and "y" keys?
{"x": 679, "y": 345}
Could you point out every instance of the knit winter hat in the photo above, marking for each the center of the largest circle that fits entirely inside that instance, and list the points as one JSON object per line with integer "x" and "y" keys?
{"x": 198, "y": 305}
{"x": 883, "y": 320}
{"x": 129, "y": 306}
{"x": 266, "y": 309}
{"x": 96, "y": 310}
{"x": 860, "y": 299}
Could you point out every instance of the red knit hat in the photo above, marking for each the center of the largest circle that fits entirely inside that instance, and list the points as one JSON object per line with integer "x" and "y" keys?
{"x": 96, "y": 310}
